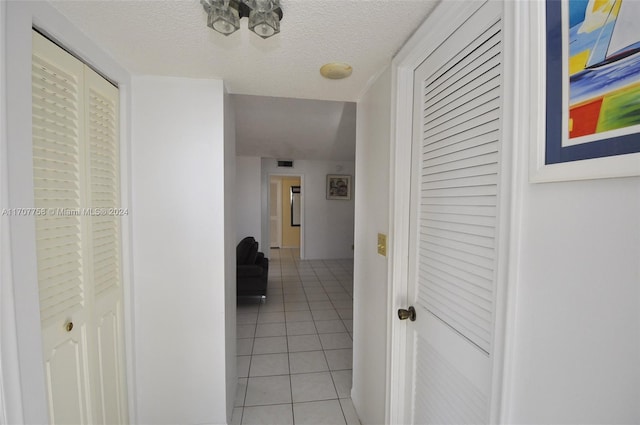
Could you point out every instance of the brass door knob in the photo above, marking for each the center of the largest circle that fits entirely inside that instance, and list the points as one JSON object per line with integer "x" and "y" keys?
{"x": 409, "y": 313}
{"x": 68, "y": 326}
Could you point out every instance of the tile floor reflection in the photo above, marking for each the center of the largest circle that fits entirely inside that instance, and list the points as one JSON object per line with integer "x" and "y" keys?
{"x": 295, "y": 349}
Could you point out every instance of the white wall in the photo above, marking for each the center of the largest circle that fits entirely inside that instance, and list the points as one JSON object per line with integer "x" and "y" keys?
{"x": 327, "y": 225}
{"x": 9, "y": 379}
{"x": 577, "y": 323}
{"x": 20, "y": 336}
{"x": 574, "y": 324}
{"x": 178, "y": 190}
{"x": 248, "y": 198}
{"x": 370, "y": 268}
{"x": 230, "y": 251}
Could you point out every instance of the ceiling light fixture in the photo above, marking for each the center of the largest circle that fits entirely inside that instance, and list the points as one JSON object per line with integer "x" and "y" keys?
{"x": 336, "y": 70}
{"x": 224, "y": 15}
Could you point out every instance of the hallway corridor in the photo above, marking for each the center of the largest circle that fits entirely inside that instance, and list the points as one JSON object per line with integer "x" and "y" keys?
{"x": 295, "y": 349}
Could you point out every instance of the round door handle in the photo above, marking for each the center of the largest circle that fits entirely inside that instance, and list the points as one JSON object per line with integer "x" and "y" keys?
{"x": 409, "y": 313}
{"x": 68, "y": 326}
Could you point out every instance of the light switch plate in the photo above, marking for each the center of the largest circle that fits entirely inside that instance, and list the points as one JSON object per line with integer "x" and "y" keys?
{"x": 382, "y": 244}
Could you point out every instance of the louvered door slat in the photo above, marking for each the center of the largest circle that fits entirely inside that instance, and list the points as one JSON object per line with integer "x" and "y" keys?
{"x": 461, "y": 56}
{"x": 65, "y": 285}
{"x": 458, "y": 157}
{"x": 468, "y": 181}
{"x": 483, "y": 154}
{"x": 482, "y": 104}
{"x": 467, "y": 256}
{"x": 473, "y": 77}
{"x": 476, "y": 92}
{"x": 470, "y": 220}
{"x": 436, "y": 255}
{"x": 467, "y": 312}
{"x": 462, "y": 246}
{"x": 461, "y": 200}
{"x": 468, "y": 122}
{"x": 459, "y": 188}
{"x": 487, "y": 190}
{"x": 478, "y": 306}
{"x": 464, "y": 229}
{"x": 441, "y": 146}
{"x": 479, "y": 170}
{"x": 477, "y": 292}
{"x": 464, "y": 65}
{"x": 483, "y": 241}
{"x": 466, "y": 209}
{"x": 54, "y": 263}
{"x": 63, "y": 304}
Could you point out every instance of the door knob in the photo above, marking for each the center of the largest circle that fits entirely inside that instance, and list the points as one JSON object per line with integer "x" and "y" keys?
{"x": 409, "y": 313}
{"x": 68, "y": 326}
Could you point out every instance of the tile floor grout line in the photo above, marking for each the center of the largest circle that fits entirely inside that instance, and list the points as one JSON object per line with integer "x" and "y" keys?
{"x": 288, "y": 290}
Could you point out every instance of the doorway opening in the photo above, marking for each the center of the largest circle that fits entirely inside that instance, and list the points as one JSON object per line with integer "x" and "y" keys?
{"x": 286, "y": 211}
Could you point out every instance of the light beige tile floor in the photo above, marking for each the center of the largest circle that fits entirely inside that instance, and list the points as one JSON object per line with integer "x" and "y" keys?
{"x": 295, "y": 348}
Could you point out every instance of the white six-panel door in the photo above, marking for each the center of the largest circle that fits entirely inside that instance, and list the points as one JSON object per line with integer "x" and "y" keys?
{"x": 453, "y": 223}
{"x": 76, "y": 188}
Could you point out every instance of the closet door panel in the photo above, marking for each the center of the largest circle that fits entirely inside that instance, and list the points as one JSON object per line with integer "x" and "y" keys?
{"x": 111, "y": 406}
{"x": 66, "y": 375}
{"x": 102, "y": 141}
{"x": 57, "y": 82}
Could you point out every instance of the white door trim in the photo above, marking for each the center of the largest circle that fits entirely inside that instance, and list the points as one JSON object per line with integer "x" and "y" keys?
{"x": 521, "y": 20}
{"x": 414, "y": 52}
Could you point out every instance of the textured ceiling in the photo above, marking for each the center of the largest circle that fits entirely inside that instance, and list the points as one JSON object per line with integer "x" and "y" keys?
{"x": 170, "y": 38}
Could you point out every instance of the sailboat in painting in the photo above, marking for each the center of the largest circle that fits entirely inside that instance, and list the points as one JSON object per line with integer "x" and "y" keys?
{"x": 604, "y": 67}
{"x": 622, "y": 39}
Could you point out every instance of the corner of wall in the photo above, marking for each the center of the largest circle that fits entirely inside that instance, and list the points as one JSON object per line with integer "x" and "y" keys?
{"x": 10, "y": 388}
{"x": 372, "y": 198}
{"x": 230, "y": 253}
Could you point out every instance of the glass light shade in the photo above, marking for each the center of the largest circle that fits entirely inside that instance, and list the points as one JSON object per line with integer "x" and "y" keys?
{"x": 265, "y": 24}
{"x": 223, "y": 18}
{"x": 262, "y": 5}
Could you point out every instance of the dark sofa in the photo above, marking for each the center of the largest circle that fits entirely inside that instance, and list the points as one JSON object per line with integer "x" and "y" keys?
{"x": 252, "y": 269}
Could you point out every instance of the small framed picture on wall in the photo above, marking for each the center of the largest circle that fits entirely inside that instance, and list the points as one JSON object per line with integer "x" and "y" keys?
{"x": 339, "y": 187}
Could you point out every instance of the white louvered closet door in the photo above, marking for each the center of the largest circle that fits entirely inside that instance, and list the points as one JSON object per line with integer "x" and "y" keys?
{"x": 58, "y": 184}
{"x": 76, "y": 189}
{"x": 455, "y": 176}
{"x": 103, "y": 158}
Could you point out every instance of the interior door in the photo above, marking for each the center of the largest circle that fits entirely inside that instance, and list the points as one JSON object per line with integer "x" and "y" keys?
{"x": 58, "y": 191}
{"x": 453, "y": 222}
{"x": 76, "y": 193}
{"x": 275, "y": 212}
{"x": 103, "y": 159}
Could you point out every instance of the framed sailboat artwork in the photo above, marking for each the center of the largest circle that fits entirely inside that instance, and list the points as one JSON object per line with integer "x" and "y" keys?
{"x": 592, "y": 90}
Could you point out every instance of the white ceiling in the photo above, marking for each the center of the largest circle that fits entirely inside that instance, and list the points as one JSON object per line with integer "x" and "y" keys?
{"x": 170, "y": 38}
{"x": 273, "y": 127}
